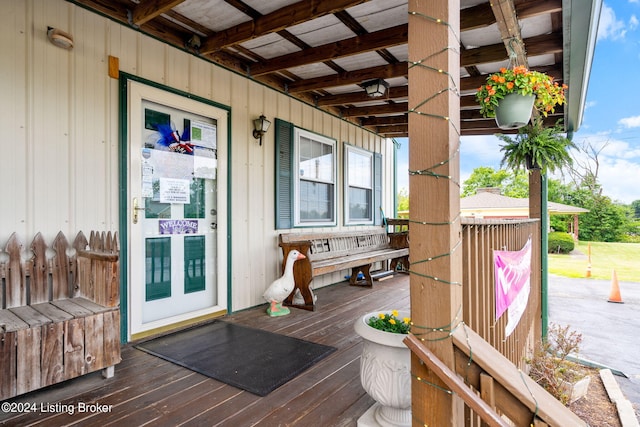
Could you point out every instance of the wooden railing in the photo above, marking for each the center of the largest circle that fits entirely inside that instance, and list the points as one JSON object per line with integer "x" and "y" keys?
{"x": 479, "y": 239}
{"x": 490, "y": 367}
{"x": 495, "y": 392}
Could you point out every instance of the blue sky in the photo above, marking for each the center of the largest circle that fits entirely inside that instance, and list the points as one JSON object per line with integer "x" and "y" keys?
{"x": 611, "y": 121}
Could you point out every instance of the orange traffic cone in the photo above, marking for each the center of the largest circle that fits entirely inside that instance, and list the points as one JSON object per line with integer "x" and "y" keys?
{"x": 614, "y": 295}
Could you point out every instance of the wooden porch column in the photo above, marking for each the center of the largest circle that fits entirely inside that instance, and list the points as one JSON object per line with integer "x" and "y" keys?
{"x": 535, "y": 194}
{"x": 435, "y": 232}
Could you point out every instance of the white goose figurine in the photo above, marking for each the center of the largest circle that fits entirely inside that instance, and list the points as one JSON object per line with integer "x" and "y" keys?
{"x": 282, "y": 287}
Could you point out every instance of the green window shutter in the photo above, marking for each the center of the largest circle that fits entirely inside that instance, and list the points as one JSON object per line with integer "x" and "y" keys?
{"x": 284, "y": 174}
{"x": 377, "y": 188}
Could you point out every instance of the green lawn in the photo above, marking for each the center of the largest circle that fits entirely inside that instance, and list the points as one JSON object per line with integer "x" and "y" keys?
{"x": 624, "y": 258}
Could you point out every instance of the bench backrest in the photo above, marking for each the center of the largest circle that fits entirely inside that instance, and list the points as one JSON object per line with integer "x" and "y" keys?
{"x": 335, "y": 244}
{"x": 42, "y": 273}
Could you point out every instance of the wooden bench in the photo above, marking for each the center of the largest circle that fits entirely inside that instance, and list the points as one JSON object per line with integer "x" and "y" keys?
{"x": 339, "y": 250}
{"x": 59, "y": 311}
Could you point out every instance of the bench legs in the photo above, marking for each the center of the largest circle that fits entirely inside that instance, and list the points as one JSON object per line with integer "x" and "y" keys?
{"x": 365, "y": 269}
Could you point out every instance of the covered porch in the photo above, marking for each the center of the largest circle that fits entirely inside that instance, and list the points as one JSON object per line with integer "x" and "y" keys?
{"x": 147, "y": 389}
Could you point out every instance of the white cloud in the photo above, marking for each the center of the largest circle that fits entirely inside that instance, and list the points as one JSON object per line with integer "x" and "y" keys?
{"x": 610, "y": 27}
{"x": 630, "y": 122}
{"x": 590, "y": 104}
{"x": 616, "y": 165}
{"x": 633, "y": 22}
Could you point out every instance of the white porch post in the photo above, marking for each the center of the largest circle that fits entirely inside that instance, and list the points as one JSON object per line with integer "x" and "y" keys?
{"x": 435, "y": 231}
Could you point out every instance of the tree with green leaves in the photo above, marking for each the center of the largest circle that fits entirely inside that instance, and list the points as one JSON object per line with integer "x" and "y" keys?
{"x": 511, "y": 183}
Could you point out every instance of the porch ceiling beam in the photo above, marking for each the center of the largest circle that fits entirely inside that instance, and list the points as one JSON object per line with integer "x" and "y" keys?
{"x": 375, "y": 110}
{"x": 369, "y": 42}
{"x": 361, "y": 96}
{"x": 147, "y": 10}
{"x": 537, "y": 45}
{"x": 277, "y": 20}
{"x": 350, "y": 77}
{"x": 482, "y": 15}
{"x": 393, "y": 129}
{"x": 386, "y": 120}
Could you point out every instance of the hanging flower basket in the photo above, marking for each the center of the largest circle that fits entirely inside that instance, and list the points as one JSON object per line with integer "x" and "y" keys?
{"x": 514, "y": 111}
{"x": 543, "y": 92}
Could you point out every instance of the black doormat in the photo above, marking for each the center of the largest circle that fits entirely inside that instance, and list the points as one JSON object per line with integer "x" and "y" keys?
{"x": 251, "y": 359}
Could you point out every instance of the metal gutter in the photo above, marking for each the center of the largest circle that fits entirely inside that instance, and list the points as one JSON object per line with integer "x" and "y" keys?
{"x": 580, "y": 28}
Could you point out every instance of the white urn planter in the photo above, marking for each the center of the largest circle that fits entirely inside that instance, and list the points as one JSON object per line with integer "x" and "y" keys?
{"x": 385, "y": 374}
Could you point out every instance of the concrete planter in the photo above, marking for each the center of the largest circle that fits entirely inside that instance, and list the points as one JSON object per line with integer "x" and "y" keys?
{"x": 385, "y": 374}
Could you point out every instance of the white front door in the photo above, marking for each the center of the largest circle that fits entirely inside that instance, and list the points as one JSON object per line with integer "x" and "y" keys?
{"x": 177, "y": 249}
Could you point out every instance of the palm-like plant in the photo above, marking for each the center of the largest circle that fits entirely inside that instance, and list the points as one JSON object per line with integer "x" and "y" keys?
{"x": 536, "y": 146}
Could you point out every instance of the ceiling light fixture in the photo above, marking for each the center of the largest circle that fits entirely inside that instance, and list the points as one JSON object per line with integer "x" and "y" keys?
{"x": 375, "y": 88}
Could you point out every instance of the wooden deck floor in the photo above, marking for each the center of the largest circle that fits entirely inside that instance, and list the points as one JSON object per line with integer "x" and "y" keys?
{"x": 147, "y": 390}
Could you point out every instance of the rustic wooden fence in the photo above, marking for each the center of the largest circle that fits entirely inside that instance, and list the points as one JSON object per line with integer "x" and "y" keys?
{"x": 59, "y": 310}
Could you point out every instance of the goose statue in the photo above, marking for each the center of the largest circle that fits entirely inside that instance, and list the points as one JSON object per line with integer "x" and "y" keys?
{"x": 282, "y": 287}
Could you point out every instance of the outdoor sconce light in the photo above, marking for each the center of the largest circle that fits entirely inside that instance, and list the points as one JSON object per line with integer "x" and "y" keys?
{"x": 375, "y": 88}
{"x": 260, "y": 127}
{"x": 60, "y": 38}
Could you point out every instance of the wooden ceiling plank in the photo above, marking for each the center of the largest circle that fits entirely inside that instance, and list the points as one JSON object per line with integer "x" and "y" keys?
{"x": 376, "y": 110}
{"x": 385, "y": 120}
{"x": 400, "y": 69}
{"x": 369, "y": 42}
{"x": 150, "y": 9}
{"x": 277, "y": 20}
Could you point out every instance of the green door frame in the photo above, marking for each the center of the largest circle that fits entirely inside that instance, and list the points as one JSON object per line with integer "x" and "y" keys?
{"x": 123, "y": 145}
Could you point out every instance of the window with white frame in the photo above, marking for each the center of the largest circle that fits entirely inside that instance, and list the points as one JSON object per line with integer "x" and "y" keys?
{"x": 315, "y": 160}
{"x": 358, "y": 166}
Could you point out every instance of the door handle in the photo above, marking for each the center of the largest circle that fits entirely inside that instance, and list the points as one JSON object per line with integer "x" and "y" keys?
{"x": 136, "y": 209}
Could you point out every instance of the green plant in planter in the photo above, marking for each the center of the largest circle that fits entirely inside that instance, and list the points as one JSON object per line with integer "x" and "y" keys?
{"x": 536, "y": 147}
{"x": 390, "y": 322}
{"x": 548, "y": 93}
{"x": 551, "y": 366}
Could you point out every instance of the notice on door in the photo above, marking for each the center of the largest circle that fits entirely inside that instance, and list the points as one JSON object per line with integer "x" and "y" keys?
{"x": 174, "y": 191}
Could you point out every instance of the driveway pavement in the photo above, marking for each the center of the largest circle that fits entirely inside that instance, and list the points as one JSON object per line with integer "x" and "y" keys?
{"x": 610, "y": 331}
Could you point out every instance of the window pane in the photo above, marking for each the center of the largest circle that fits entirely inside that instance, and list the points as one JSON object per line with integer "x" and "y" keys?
{"x": 316, "y": 201}
{"x": 359, "y": 169}
{"x": 316, "y": 160}
{"x": 359, "y": 204}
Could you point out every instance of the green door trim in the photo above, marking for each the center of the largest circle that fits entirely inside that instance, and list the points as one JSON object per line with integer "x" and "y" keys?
{"x": 123, "y": 146}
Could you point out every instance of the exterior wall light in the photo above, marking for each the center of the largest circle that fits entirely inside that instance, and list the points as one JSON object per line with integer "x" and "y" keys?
{"x": 260, "y": 127}
{"x": 60, "y": 38}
